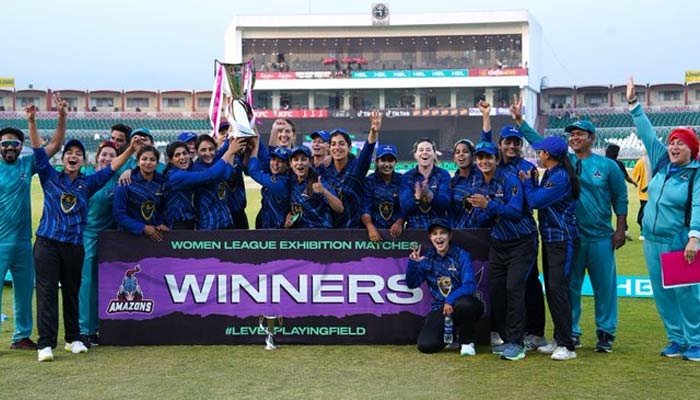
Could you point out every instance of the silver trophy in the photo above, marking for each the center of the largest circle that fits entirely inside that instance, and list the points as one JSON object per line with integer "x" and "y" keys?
{"x": 267, "y": 324}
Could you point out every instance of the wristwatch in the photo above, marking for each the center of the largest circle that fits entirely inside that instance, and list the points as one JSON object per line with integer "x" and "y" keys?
{"x": 634, "y": 100}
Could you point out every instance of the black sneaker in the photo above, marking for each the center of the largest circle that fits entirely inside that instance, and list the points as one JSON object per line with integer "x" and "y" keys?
{"x": 23, "y": 344}
{"x": 576, "y": 340}
{"x": 604, "y": 344}
{"x": 94, "y": 340}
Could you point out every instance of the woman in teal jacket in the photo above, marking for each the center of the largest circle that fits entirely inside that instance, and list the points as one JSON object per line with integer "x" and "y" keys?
{"x": 667, "y": 227}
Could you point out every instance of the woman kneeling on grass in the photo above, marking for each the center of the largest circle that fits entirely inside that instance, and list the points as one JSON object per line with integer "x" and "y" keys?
{"x": 447, "y": 270}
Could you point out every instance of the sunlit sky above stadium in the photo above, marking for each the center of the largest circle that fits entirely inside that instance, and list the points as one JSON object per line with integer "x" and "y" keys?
{"x": 159, "y": 44}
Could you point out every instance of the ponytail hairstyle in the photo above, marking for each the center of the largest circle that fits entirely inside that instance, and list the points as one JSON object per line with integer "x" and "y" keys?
{"x": 573, "y": 177}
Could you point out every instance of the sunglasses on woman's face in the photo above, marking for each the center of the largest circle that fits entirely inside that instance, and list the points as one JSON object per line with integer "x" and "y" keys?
{"x": 10, "y": 143}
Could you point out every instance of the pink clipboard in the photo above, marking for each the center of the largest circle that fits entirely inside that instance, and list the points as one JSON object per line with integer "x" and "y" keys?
{"x": 675, "y": 271}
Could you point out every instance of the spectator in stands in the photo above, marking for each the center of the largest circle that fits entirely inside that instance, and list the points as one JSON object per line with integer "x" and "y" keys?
{"x": 446, "y": 269}
{"x": 320, "y": 148}
{"x": 602, "y": 188}
{"x": 555, "y": 198}
{"x": 189, "y": 138}
{"x": 99, "y": 217}
{"x": 347, "y": 172}
{"x": 275, "y": 186}
{"x": 139, "y": 208}
{"x": 425, "y": 190}
{"x": 641, "y": 173}
{"x": 311, "y": 199}
{"x": 672, "y": 223}
{"x": 182, "y": 182}
{"x": 16, "y": 171}
{"x": 120, "y": 134}
{"x": 381, "y": 208}
{"x": 58, "y": 250}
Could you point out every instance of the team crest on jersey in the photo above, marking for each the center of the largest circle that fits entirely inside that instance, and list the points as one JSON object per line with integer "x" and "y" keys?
{"x": 386, "y": 209}
{"x": 130, "y": 296}
{"x": 548, "y": 185}
{"x": 466, "y": 204}
{"x": 444, "y": 285}
{"x": 597, "y": 174}
{"x": 148, "y": 208}
{"x": 68, "y": 202}
{"x": 221, "y": 190}
{"x": 424, "y": 208}
{"x": 499, "y": 192}
{"x": 685, "y": 176}
{"x": 514, "y": 191}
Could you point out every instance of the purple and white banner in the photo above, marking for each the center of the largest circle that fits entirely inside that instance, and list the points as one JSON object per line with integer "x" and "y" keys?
{"x": 330, "y": 286}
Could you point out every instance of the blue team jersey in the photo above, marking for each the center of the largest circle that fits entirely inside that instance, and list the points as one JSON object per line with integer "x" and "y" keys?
{"x": 380, "y": 200}
{"x": 513, "y": 168}
{"x": 65, "y": 200}
{"x": 462, "y": 215}
{"x": 140, "y": 203}
{"x": 556, "y": 205}
{"x": 505, "y": 204}
{"x": 211, "y": 203}
{"x": 180, "y": 189}
{"x": 236, "y": 189}
{"x": 311, "y": 210}
{"x": 100, "y": 215}
{"x": 15, "y": 199}
{"x": 420, "y": 215}
{"x": 347, "y": 183}
{"x": 274, "y": 205}
{"x": 448, "y": 277}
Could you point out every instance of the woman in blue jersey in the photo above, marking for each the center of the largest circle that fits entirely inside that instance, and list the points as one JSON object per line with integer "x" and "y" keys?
{"x": 275, "y": 186}
{"x": 346, "y": 173}
{"x": 512, "y": 249}
{"x": 555, "y": 197}
{"x": 425, "y": 190}
{"x": 182, "y": 181}
{"x": 211, "y": 202}
{"x": 99, "y": 218}
{"x": 671, "y": 222}
{"x": 138, "y": 208}
{"x": 311, "y": 201}
{"x": 381, "y": 208}
{"x": 446, "y": 269}
{"x": 58, "y": 249}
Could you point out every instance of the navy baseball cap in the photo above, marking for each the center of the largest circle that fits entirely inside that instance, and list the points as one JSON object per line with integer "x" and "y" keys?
{"x": 324, "y": 135}
{"x": 145, "y": 132}
{"x": 341, "y": 131}
{"x": 73, "y": 143}
{"x": 553, "y": 145}
{"x": 486, "y": 147}
{"x": 439, "y": 222}
{"x": 511, "y": 131}
{"x": 301, "y": 149}
{"x": 282, "y": 153}
{"x": 584, "y": 125}
{"x": 187, "y": 136}
{"x": 387, "y": 149}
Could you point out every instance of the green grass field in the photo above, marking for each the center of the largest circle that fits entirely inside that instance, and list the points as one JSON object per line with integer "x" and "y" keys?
{"x": 634, "y": 370}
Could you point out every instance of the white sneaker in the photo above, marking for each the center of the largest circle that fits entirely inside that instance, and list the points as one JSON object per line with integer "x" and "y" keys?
{"x": 550, "y": 348}
{"x": 45, "y": 354}
{"x": 532, "y": 342}
{"x": 467, "y": 350}
{"x": 76, "y": 347}
{"x": 563, "y": 354}
{"x": 641, "y": 237}
{"x": 496, "y": 339}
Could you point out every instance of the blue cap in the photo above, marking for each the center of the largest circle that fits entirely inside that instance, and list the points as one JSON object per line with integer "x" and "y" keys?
{"x": 584, "y": 125}
{"x": 511, "y": 131}
{"x": 324, "y": 135}
{"x": 486, "y": 147}
{"x": 74, "y": 143}
{"x": 187, "y": 136}
{"x": 553, "y": 145}
{"x": 280, "y": 152}
{"x": 341, "y": 131}
{"x": 301, "y": 149}
{"x": 385, "y": 149}
{"x": 439, "y": 222}
{"x": 145, "y": 132}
